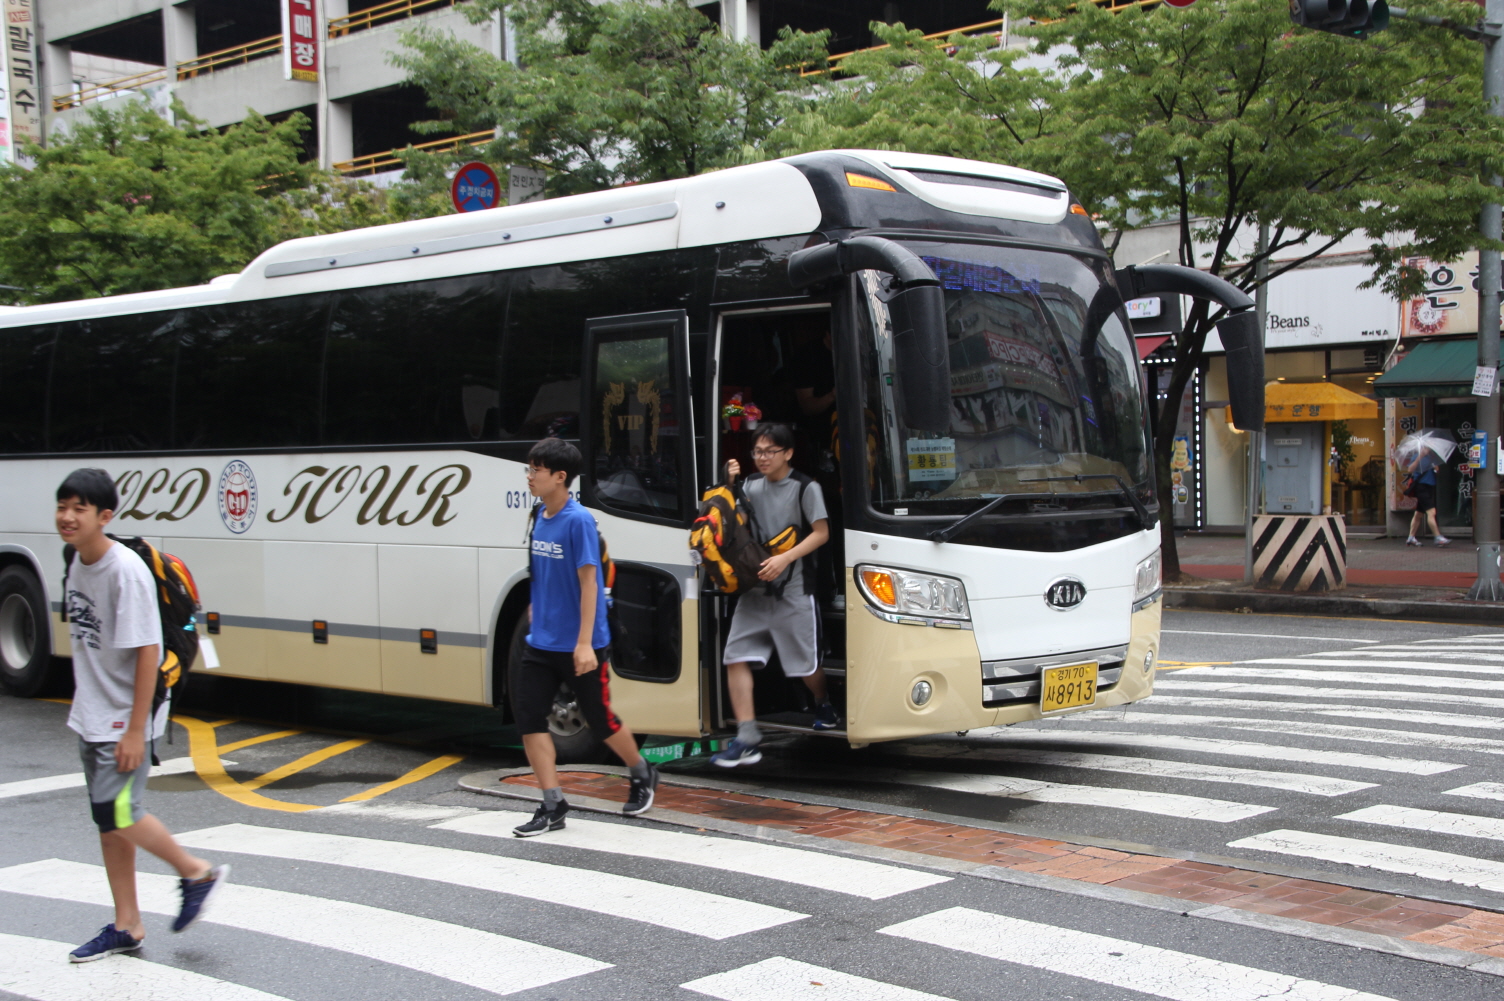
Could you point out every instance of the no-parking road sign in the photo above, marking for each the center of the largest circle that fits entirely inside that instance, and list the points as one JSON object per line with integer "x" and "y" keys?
{"x": 474, "y": 187}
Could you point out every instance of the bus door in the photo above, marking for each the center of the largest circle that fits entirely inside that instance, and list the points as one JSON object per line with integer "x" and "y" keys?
{"x": 637, "y": 437}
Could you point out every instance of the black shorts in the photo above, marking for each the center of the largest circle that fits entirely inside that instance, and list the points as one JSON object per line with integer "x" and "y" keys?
{"x": 1425, "y": 496}
{"x": 536, "y": 679}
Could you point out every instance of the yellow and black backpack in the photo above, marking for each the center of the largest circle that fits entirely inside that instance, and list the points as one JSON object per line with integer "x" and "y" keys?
{"x": 723, "y": 542}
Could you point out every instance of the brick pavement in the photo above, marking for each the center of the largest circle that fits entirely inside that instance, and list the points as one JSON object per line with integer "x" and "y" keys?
{"x": 1449, "y": 925}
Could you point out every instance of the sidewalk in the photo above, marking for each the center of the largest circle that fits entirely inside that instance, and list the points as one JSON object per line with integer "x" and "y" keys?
{"x": 1375, "y": 917}
{"x": 1385, "y": 578}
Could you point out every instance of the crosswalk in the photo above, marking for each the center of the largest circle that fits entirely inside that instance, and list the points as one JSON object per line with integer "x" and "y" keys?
{"x": 389, "y": 936}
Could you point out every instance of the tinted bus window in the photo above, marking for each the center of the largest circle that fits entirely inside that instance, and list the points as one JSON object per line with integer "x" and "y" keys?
{"x": 25, "y": 362}
{"x": 540, "y": 357}
{"x": 414, "y": 363}
{"x": 636, "y": 423}
{"x": 113, "y": 381}
{"x": 250, "y": 374}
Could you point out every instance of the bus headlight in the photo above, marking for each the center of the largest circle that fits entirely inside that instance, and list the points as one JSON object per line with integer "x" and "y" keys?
{"x": 921, "y": 693}
{"x": 904, "y": 592}
{"x": 1146, "y": 578}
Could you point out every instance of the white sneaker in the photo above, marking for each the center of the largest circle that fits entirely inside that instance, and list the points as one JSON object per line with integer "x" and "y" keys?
{"x": 1442, "y": 540}
{"x": 1412, "y": 541}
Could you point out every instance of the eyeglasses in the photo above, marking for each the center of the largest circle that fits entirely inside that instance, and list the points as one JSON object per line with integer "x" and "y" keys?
{"x": 767, "y": 453}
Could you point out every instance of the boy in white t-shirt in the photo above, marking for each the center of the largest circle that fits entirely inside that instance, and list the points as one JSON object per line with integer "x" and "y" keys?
{"x": 110, "y": 599}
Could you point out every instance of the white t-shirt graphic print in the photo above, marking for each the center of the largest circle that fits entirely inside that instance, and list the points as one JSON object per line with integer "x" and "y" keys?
{"x": 112, "y": 612}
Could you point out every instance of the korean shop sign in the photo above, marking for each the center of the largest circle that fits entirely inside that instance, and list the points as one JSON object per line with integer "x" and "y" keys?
{"x": 300, "y": 40}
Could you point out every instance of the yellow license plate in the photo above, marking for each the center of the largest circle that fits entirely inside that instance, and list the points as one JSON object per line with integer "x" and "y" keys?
{"x": 1069, "y": 687}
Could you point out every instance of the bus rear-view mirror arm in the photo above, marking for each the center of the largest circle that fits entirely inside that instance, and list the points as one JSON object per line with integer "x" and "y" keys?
{"x": 917, "y": 309}
{"x": 1239, "y": 329}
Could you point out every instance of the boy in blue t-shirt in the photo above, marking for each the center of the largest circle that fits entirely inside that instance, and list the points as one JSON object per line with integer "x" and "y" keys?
{"x": 568, "y": 642}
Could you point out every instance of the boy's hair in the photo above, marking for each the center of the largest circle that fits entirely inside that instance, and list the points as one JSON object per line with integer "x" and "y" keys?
{"x": 92, "y": 486}
{"x": 779, "y": 434}
{"x": 557, "y": 456}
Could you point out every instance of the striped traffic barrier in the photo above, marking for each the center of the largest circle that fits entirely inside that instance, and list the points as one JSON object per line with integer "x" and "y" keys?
{"x": 1294, "y": 552}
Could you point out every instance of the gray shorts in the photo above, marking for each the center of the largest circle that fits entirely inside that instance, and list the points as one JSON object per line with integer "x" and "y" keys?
{"x": 790, "y": 625}
{"x": 114, "y": 796}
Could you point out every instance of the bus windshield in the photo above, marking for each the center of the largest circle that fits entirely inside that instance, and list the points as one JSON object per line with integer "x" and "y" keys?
{"x": 1044, "y": 386}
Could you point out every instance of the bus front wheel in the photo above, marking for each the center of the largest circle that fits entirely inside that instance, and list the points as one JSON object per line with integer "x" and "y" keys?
{"x": 574, "y": 742}
{"x": 25, "y": 650}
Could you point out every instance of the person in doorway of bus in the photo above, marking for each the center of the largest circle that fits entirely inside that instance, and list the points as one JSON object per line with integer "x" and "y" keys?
{"x": 1423, "y": 468}
{"x": 568, "y": 639}
{"x": 116, "y": 632}
{"x": 786, "y": 620}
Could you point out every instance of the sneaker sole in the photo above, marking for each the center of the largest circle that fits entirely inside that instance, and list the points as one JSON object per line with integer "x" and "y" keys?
{"x": 203, "y": 907}
{"x": 106, "y": 954}
{"x": 533, "y": 834}
{"x": 750, "y": 759}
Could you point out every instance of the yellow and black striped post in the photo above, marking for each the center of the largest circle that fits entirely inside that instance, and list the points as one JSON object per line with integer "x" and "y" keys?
{"x": 1293, "y": 552}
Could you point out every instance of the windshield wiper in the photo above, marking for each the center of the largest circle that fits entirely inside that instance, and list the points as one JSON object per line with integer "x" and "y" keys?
{"x": 1144, "y": 519}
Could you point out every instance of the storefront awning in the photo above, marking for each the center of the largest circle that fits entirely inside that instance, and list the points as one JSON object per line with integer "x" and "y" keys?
{"x": 1149, "y": 344}
{"x": 1435, "y": 368}
{"x": 1285, "y": 402}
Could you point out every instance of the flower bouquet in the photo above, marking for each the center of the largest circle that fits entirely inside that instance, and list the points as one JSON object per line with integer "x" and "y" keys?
{"x": 733, "y": 411}
{"x": 751, "y": 414}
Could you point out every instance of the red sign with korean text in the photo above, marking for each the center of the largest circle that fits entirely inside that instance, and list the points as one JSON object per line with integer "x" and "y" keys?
{"x": 300, "y": 40}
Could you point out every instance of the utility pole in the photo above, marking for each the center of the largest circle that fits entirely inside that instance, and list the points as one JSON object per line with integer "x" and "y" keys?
{"x": 1255, "y": 475}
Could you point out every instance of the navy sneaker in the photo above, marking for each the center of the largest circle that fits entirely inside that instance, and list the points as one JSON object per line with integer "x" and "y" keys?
{"x": 640, "y": 799}
{"x": 196, "y": 896}
{"x": 109, "y": 941}
{"x": 543, "y": 820}
{"x": 736, "y": 753}
{"x": 826, "y": 717}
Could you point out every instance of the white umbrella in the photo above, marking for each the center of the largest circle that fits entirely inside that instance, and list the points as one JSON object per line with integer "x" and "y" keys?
{"x": 1436, "y": 439}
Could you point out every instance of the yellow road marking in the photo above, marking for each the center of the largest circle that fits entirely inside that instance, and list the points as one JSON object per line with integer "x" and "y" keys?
{"x": 306, "y": 761}
{"x": 416, "y": 775}
{"x": 227, "y": 748}
{"x": 61, "y": 702}
{"x": 1175, "y": 665}
{"x": 204, "y": 750}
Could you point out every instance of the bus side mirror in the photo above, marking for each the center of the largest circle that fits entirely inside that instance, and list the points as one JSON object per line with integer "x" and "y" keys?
{"x": 1245, "y": 369}
{"x": 921, "y": 357}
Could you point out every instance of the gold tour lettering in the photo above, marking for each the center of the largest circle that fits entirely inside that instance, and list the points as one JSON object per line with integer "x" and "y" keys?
{"x": 142, "y": 494}
{"x": 318, "y": 491}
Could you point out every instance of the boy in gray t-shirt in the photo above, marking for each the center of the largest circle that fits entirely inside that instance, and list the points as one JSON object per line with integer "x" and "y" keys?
{"x": 781, "y": 614}
{"x": 116, "y": 634}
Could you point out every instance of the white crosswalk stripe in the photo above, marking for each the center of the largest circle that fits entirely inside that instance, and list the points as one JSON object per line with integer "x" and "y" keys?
{"x": 780, "y": 979}
{"x": 37, "y": 968}
{"x": 1121, "y": 963}
{"x": 1263, "y": 636}
{"x": 1336, "y": 731}
{"x": 75, "y": 780}
{"x": 1315, "y": 785}
{"x": 1314, "y": 660}
{"x": 1336, "y": 677}
{"x": 1479, "y": 790}
{"x": 836, "y": 873}
{"x": 1487, "y": 874}
{"x": 1433, "y": 821}
{"x": 1338, "y": 709}
{"x": 1163, "y": 803}
{"x": 480, "y": 959}
{"x": 1245, "y": 749}
{"x": 694, "y": 911}
{"x": 1314, "y": 691}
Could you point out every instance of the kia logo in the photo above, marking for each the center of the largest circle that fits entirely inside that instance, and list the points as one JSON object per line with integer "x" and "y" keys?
{"x": 1067, "y": 592}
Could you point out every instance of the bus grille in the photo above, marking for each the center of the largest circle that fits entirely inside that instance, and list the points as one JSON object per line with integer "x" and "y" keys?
{"x": 1012, "y": 682}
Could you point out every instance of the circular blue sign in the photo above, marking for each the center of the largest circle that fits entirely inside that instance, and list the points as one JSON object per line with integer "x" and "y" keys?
{"x": 475, "y": 187}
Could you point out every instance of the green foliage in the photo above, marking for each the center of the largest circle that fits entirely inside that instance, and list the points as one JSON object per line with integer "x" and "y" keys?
{"x": 129, "y": 202}
{"x": 610, "y": 93}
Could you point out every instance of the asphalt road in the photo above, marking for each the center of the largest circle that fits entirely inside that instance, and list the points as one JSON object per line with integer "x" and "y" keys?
{"x": 404, "y": 891}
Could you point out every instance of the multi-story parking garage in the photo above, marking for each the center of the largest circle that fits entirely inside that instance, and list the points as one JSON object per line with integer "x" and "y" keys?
{"x": 220, "y": 57}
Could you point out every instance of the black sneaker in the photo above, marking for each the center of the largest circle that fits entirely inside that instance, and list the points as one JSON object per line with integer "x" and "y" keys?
{"x": 544, "y": 820}
{"x": 196, "y": 896}
{"x": 640, "y": 799}
{"x": 109, "y": 941}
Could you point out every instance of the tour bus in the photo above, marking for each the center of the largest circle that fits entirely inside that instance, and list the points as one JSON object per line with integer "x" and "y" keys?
{"x": 334, "y": 441}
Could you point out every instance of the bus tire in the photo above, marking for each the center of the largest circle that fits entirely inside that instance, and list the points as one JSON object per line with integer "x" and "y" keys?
{"x": 574, "y": 742}
{"x": 25, "y": 642}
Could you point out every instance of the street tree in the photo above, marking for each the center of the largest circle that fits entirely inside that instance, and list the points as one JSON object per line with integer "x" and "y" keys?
{"x": 609, "y": 93}
{"x": 1215, "y": 118}
{"x": 127, "y": 201}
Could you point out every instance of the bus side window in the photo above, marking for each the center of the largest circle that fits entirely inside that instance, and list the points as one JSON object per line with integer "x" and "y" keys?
{"x": 112, "y": 383}
{"x": 540, "y": 356}
{"x": 25, "y": 361}
{"x": 634, "y": 426}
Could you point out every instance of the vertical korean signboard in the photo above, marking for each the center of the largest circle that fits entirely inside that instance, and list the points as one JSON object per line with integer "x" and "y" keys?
{"x": 300, "y": 40}
{"x": 21, "y": 57}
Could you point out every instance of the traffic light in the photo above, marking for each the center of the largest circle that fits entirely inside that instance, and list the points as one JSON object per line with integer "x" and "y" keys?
{"x": 1356, "y": 18}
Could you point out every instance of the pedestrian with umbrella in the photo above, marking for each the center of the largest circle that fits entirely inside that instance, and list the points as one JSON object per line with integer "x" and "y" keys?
{"x": 1420, "y": 455}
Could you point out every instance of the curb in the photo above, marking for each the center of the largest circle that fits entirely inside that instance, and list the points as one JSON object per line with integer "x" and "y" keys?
{"x": 1279, "y": 603}
{"x": 488, "y": 783}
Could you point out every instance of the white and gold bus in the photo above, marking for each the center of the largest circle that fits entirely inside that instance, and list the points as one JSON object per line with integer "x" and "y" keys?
{"x": 334, "y": 440}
